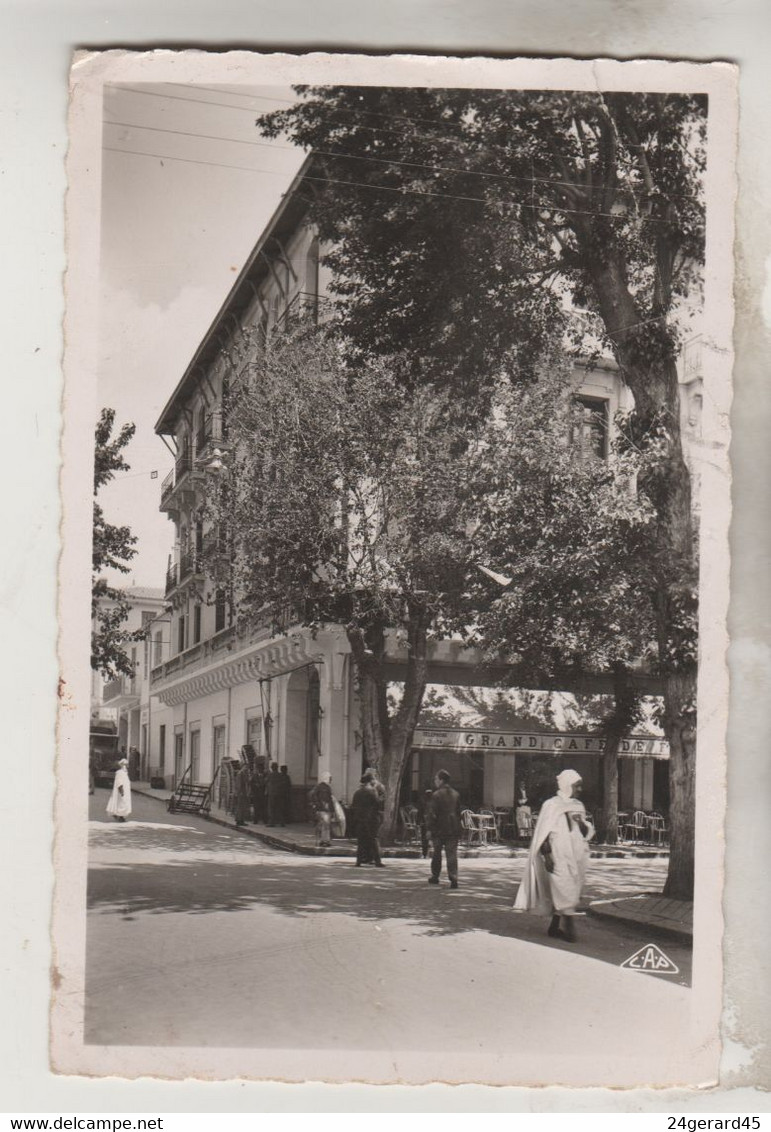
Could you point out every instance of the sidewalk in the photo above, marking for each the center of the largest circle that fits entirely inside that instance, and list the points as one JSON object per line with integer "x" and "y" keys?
{"x": 301, "y": 838}
{"x": 673, "y": 917}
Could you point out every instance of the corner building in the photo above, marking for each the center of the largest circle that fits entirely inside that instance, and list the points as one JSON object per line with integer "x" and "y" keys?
{"x": 288, "y": 693}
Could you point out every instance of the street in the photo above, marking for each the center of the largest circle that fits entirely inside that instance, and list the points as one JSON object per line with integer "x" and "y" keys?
{"x": 200, "y": 936}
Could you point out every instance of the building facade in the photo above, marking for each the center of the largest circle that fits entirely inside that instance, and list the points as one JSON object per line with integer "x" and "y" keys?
{"x": 127, "y": 700}
{"x": 292, "y": 694}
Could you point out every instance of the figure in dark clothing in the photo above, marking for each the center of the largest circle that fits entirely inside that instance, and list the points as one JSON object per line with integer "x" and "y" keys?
{"x": 423, "y": 804}
{"x": 258, "y": 795}
{"x": 323, "y": 804}
{"x": 285, "y": 808}
{"x": 273, "y": 791}
{"x": 365, "y": 811}
{"x": 243, "y": 794}
{"x": 444, "y": 827}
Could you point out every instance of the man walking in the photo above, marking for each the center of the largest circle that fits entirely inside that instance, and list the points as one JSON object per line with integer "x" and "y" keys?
{"x": 366, "y": 819}
{"x": 559, "y": 854}
{"x": 443, "y": 820}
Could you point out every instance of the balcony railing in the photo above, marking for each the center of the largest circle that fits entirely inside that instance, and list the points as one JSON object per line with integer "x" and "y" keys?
{"x": 188, "y": 565}
{"x": 171, "y": 578}
{"x": 182, "y": 465}
{"x": 304, "y": 305}
{"x": 167, "y": 486}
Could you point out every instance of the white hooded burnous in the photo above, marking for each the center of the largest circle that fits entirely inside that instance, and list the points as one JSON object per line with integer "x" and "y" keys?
{"x": 119, "y": 804}
{"x": 563, "y": 823}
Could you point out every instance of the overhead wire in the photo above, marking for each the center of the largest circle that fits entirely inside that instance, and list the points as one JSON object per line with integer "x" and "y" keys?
{"x": 626, "y": 190}
{"x": 193, "y": 161}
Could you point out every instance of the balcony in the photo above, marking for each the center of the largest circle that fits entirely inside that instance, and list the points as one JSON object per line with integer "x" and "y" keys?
{"x": 167, "y": 486}
{"x": 171, "y": 578}
{"x": 304, "y": 306}
{"x": 176, "y": 480}
{"x": 210, "y": 433}
{"x": 121, "y": 692}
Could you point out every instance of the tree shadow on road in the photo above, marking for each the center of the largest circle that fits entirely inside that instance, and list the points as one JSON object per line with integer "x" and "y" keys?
{"x": 302, "y": 889}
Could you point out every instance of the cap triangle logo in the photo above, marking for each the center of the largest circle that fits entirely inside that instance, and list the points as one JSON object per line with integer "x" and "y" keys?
{"x": 652, "y": 959}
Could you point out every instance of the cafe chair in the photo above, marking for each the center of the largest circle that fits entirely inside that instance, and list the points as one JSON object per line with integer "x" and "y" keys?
{"x": 469, "y": 827}
{"x": 410, "y": 825}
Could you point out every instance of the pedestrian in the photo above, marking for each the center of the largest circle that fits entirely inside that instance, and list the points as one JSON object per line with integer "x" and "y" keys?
{"x": 559, "y": 853}
{"x": 366, "y": 818}
{"x": 258, "y": 795}
{"x": 273, "y": 793}
{"x": 285, "y": 808}
{"x": 323, "y": 807}
{"x": 443, "y": 821}
{"x": 423, "y": 804}
{"x": 119, "y": 804}
{"x": 371, "y": 775}
{"x": 523, "y": 816}
{"x": 243, "y": 793}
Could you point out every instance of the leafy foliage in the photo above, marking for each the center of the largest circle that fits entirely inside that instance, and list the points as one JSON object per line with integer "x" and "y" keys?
{"x": 113, "y": 547}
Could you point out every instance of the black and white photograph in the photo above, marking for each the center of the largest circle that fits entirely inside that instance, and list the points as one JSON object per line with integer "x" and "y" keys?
{"x": 396, "y": 504}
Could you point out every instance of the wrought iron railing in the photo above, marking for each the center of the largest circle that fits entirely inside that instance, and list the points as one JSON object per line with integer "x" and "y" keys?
{"x": 168, "y": 485}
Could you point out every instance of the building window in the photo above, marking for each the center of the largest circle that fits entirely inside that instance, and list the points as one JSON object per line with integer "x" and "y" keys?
{"x": 218, "y": 745}
{"x": 181, "y": 635}
{"x": 590, "y": 427}
{"x": 219, "y": 611}
{"x": 158, "y": 648}
{"x": 162, "y": 747}
{"x": 196, "y": 623}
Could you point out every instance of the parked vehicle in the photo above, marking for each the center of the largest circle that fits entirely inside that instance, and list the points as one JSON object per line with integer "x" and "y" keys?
{"x": 102, "y": 752}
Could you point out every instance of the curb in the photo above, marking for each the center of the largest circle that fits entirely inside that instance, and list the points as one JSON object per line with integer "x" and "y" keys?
{"x": 276, "y": 842}
{"x": 284, "y": 843}
{"x": 682, "y": 935}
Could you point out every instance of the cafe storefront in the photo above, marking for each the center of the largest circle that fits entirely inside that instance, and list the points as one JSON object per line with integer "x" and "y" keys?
{"x": 492, "y": 768}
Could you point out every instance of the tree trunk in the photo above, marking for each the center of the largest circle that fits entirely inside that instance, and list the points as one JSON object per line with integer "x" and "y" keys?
{"x": 625, "y": 706}
{"x": 607, "y": 827}
{"x": 646, "y": 358}
{"x": 388, "y": 742}
{"x": 679, "y": 726}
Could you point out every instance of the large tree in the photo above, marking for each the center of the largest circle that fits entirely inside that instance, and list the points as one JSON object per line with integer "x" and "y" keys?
{"x": 113, "y": 547}
{"x": 571, "y": 536}
{"x": 465, "y": 225}
{"x": 345, "y": 501}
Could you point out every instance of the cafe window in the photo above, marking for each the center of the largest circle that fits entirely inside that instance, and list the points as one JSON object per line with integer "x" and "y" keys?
{"x": 590, "y": 428}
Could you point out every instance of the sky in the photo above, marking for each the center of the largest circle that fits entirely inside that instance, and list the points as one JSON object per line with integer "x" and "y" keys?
{"x": 188, "y": 184}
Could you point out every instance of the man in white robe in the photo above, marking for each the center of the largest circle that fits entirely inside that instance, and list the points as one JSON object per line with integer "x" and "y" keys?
{"x": 559, "y": 853}
{"x": 119, "y": 804}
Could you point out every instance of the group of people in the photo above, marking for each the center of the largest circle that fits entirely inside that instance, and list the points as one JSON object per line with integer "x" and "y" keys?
{"x": 263, "y": 798}
{"x": 555, "y": 871}
{"x": 559, "y": 851}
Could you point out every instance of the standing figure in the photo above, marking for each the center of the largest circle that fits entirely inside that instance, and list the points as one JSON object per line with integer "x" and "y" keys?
{"x": 259, "y": 780}
{"x": 443, "y": 821}
{"x": 323, "y": 807}
{"x": 366, "y": 819}
{"x": 371, "y": 775}
{"x": 523, "y": 816}
{"x": 559, "y": 853}
{"x": 243, "y": 793}
{"x": 119, "y": 804}
{"x": 273, "y": 792}
{"x": 285, "y": 808}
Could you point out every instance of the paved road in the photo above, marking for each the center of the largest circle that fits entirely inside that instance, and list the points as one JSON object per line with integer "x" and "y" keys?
{"x": 199, "y": 936}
